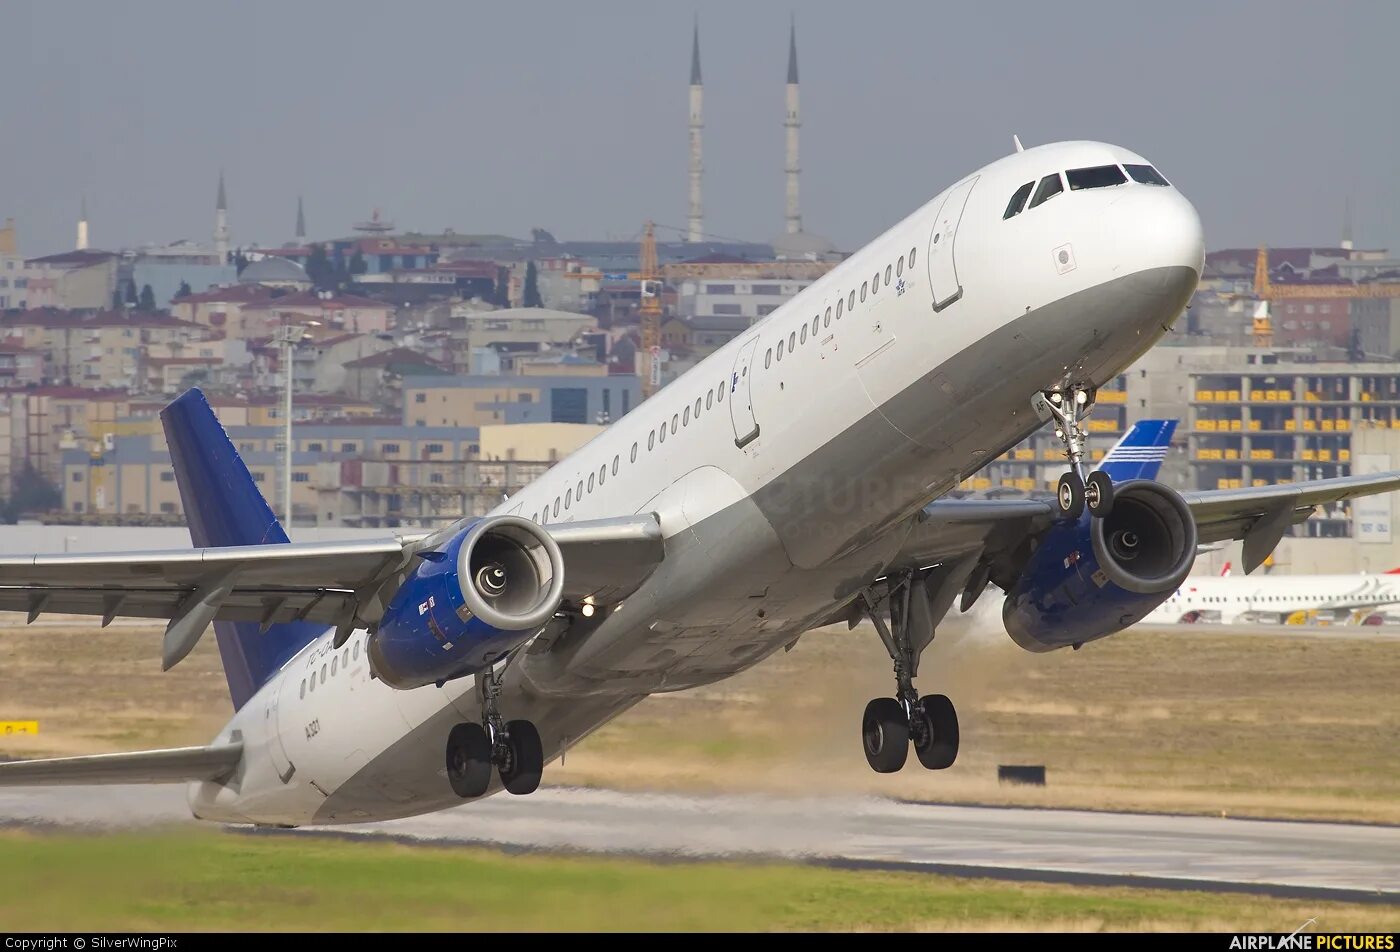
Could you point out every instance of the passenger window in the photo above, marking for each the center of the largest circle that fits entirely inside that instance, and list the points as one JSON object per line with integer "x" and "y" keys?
{"x": 768, "y": 359}
{"x": 817, "y": 322}
{"x": 313, "y": 682}
{"x": 1018, "y": 201}
{"x": 899, "y": 268}
{"x": 851, "y": 303}
{"x": 579, "y": 494}
{"x": 335, "y": 663}
{"x": 827, "y": 322}
{"x": 911, "y": 256}
{"x": 355, "y": 651}
{"x": 709, "y": 399}
{"x": 634, "y": 452}
{"x": 719, "y": 398}
{"x": 889, "y": 269}
{"x": 875, "y": 283}
{"x": 303, "y": 687}
{"x": 590, "y": 483}
{"x": 792, "y": 340}
{"x": 804, "y": 333}
{"x": 323, "y": 674}
{"x": 840, "y": 306}
{"x": 662, "y": 435}
{"x": 675, "y": 419}
{"x": 1100, "y": 176}
{"x": 685, "y": 421}
{"x": 863, "y": 288}
{"x": 1049, "y": 187}
{"x": 697, "y": 408}
{"x": 1146, "y": 175}
{"x": 556, "y": 507}
{"x": 651, "y": 441}
{"x": 780, "y": 349}
{"x": 617, "y": 460}
{"x": 603, "y": 473}
{"x": 568, "y": 498}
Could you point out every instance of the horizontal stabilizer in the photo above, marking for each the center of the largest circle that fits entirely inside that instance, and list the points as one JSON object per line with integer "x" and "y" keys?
{"x": 173, "y": 765}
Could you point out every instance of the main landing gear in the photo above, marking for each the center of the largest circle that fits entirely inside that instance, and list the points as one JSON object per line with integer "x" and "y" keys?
{"x": 1068, "y": 408}
{"x": 512, "y": 747}
{"x": 892, "y": 724}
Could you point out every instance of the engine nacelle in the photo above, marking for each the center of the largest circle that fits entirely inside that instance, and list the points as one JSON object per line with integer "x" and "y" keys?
{"x": 466, "y": 604}
{"x": 1098, "y": 576}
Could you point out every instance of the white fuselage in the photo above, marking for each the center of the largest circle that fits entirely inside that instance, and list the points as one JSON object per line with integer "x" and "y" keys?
{"x": 1280, "y": 598}
{"x": 813, "y": 438}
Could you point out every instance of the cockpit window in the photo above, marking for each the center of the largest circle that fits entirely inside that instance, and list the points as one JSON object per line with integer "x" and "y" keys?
{"x": 1050, "y": 186}
{"x": 1100, "y": 176}
{"x": 1146, "y": 174}
{"x": 1018, "y": 201}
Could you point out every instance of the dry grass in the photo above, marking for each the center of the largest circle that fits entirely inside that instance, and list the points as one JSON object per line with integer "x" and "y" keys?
{"x": 1177, "y": 719}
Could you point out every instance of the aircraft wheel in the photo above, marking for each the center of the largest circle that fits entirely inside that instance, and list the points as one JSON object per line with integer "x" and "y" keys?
{"x": 524, "y": 760}
{"x": 885, "y": 735}
{"x": 1070, "y": 496}
{"x": 1098, "y": 494}
{"x": 468, "y": 760}
{"x": 940, "y": 747}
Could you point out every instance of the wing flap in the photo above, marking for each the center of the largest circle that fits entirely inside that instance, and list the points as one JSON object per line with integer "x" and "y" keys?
{"x": 173, "y": 765}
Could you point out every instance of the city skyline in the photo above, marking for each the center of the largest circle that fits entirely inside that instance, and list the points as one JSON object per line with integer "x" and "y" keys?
{"x": 547, "y": 116}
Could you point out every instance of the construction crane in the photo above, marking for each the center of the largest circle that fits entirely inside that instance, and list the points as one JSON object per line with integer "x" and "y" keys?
{"x": 649, "y": 282}
{"x": 1267, "y": 292}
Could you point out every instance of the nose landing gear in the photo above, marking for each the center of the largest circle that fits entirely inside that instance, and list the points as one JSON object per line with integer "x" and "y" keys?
{"x": 1068, "y": 408}
{"x": 513, "y": 748}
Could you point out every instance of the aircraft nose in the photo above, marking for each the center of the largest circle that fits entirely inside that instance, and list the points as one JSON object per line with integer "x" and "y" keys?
{"x": 1156, "y": 227}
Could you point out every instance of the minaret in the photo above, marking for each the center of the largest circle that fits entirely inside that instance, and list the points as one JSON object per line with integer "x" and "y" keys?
{"x": 301, "y": 224}
{"x": 221, "y": 236}
{"x": 1346, "y": 225}
{"x": 83, "y": 226}
{"x": 695, "y": 225}
{"x": 794, "y": 214}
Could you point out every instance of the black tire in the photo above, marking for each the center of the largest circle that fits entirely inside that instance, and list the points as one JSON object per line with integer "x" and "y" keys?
{"x": 525, "y": 760}
{"x": 885, "y": 735}
{"x": 1098, "y": 494}
{"x": 940, "y": 746}
{"x": 468, "y": 760}
{"x": 1069, "y": 496}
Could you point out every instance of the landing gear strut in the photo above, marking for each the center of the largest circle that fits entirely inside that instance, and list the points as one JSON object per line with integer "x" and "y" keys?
{"x": 512, "y": 747}
{"x": 892, "y": 724}
{"x": 1069, "y": 407}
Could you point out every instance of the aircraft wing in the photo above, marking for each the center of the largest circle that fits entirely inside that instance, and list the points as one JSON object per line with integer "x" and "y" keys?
{"x": 143, "y": 766}
{"x": 1003, "y": 531}
{"x": 338, "y": 583}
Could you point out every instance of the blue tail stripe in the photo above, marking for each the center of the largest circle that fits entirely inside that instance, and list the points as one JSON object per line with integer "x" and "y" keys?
{"x": 1141, "y": 451}
{"x": 224, "y": 508}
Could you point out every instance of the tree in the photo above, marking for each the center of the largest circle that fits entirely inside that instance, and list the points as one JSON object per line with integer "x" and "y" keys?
{"x": 240, "y": 260}
{"x": 117, "y": 302}
{"x": 185, "y": 290}
{"x": 358, "y": 265}
{"x": 33, "y": 493}
{"x": 532, "y": 286}
{"x": 131, "y": 294}
{"x": 319, "y": 268}
{"x": 147, "y": 301}
{"x": 501, "y": 296}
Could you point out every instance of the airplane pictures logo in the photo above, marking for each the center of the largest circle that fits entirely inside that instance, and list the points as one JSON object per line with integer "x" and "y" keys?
{"x": 1307, "y": 941}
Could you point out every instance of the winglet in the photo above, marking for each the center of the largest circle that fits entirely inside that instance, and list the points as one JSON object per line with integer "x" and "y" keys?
{"x": 1017, "y": 141}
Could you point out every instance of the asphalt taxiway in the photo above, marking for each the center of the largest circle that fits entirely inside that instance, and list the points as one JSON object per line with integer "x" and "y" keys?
{"x": 1304, "y": 859}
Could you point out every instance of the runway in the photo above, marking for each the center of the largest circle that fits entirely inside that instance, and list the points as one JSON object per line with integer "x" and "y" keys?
{"x": 1315, "y": 860}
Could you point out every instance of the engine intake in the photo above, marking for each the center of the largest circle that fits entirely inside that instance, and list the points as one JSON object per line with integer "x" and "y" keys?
{"x": 490, "y": 587}
{"x": 1099, "y": 576}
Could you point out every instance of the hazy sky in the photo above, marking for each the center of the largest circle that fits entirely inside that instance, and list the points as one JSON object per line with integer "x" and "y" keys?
{"x": 572, "y": 116}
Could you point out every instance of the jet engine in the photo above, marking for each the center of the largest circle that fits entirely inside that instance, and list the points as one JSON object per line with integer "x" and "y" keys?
{"x": 1098, "y": 576}
{"x": 468, "y": 602}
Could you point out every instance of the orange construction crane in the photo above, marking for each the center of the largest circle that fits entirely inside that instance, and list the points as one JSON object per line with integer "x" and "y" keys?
{"x": 1266, "y": 290}
{"x": 650, "y": 311}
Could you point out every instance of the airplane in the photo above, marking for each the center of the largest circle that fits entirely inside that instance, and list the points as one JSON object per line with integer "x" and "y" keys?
{"x": 796, "y": 478}
{"x": 1280, "y": 599}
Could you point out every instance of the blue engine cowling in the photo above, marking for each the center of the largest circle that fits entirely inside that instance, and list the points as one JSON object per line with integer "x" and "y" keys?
{"x": 468, "y": 602}
{"x": 1098, "y": 576}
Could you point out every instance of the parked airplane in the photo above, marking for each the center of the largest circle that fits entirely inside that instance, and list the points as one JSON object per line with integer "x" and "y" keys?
{"x": 1231, "y": 599}
{"x": 792, "y": 480}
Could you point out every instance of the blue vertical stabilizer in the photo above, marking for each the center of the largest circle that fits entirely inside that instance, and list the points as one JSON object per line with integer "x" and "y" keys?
{"x": 1141, "y": 451}
{"x": 224, "y": 508}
